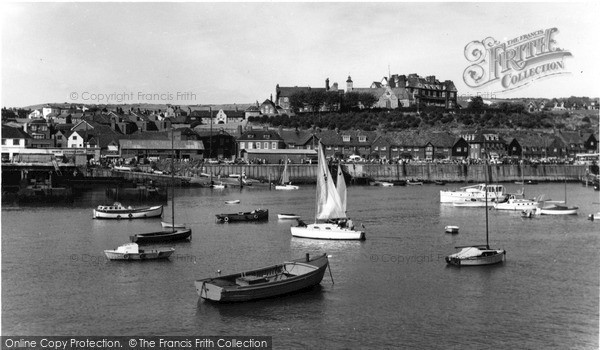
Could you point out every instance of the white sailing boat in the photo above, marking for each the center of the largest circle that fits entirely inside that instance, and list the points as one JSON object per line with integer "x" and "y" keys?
{"x": 285, "y": 183}
{"x": 476, "y": 255}
{"x": 331, "y": 221}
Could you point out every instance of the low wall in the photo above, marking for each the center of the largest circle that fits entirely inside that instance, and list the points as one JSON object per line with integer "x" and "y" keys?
{"x": 306, "y": 173}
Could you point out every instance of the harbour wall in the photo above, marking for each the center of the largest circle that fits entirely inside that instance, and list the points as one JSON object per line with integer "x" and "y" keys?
{"x": 306, "y": 173}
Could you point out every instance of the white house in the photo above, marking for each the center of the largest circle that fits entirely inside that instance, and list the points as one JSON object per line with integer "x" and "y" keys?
{"x": 48, "y": 109}
{"x": 36, "y": 114}
{"x": 76, "y": 139}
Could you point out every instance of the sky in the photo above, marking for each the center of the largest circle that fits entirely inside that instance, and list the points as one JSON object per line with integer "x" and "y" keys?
{"x": 220, "y": 53}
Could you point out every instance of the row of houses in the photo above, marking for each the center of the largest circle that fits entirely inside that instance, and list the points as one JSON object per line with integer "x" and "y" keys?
{"x": 198, "y": 142}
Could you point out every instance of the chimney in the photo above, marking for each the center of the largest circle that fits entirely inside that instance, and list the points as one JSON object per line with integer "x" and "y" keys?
{"x": 271, "y": 97}
{"x": 327, "y": 84}
{"x": 334, "y": 87}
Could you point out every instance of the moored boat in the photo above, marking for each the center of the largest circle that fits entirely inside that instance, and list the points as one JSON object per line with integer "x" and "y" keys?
{"x": 172, "y": 235}
{"x": 554, "y": 209}
{"x": 476, "y": 256}
{"x": 451, "y": 229}
{"x": 285, "y": 183}
{"x": 118, "y": 211}
{"x": 254, "y": 215}
{"x": 494, "y": 192}
{"x": 271, "y": 281}
{"x": 131, "y": 251}
{"x": 288, "y": 216}
{"x": 513, "y": 203}
{"x": 414, "y": 183}
{"x": 470, "y": 203}
{"x": 233, "y": 201}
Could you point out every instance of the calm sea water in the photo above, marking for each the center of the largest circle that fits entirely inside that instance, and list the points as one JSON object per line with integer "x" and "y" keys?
{"x": 393, "y": 290}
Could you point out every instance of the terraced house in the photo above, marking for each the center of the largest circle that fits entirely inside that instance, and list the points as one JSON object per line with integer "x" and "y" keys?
{"x": 346, "y": 142}
{"x": 259, "y": 139}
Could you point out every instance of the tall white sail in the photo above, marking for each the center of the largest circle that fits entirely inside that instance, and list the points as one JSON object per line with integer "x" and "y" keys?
{"x": 341, "y": 187}
{"x": 329, "y": 204}
{"x": 285, "y": 178}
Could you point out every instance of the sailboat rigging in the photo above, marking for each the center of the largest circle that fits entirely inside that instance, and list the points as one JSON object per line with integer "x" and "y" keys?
{"x": 331, "y": 221}
{"x": 285, "y": 183}
{"x": 177, "y": 232}
{"x": 478, "y": 254}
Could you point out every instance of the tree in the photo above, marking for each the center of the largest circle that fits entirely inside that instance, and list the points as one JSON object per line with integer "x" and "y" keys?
{"x": 315, "y": 99}
{"x": 476, "y": 103}
{"x": 297, "y": 101}
{"x": 366, "y": 99}
{"x": 351, "y": 100}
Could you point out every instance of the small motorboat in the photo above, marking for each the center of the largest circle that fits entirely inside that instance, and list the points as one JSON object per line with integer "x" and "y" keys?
{"x": 267, "y": 282}
{"x": 594, "y": 217}
{"x": 254, "y": 215}
{"x": 131, "y": 251}
{"x": 288, "y": 216}
{"x": 234, "y": 201}
{"x": 470, "y": 203}
{"x": 118, "y": 211}
{"x": 451, "y": 229}
{"x": 218, "y": 186}
{"x": 414, "y": 183}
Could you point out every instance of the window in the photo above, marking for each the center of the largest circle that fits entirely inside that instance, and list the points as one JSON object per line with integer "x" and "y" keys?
{"x": 4, "y": 141}
{"x": 250, "y": 136}
{"x": 376, "y": 148}
{"x": 74, "y": 137}
{"x": 267, "y": 136}
{"x": 258, "y": 145}
{"x": 266, "y": 145}
{"x": 16, "y": 142}
{"x": 273, "y": 145}
{"x": 383, "y": 148}
{"x": 250, "y": 145}
{"x": 59, "y": 137}
{"x": 242, "y": 145}
{"x": 346, "y": 138}
{"x": 362, "y": 138}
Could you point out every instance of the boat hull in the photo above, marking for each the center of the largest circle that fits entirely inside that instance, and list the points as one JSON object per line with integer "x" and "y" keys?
{"x": 257, "y": 215}
{"x": 307, "y": 274}
{"x": 162, "y": 236}
{"x": 495, "y": 193}
{"x": 559, "y": 211}
{"x": 142, "y": 255}
{"x": 517, "y": 205}
{"x": 327, "y": 231}
{"x": 496, "y": 258}
{"x": 287, "y": 187}
{"x": 288, "y": 216}
{"x": 451, "y": 229}
{"x": 140, "y": 213}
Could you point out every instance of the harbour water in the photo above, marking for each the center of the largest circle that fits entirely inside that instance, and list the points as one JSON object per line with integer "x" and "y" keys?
{"x": 393, "y": 290}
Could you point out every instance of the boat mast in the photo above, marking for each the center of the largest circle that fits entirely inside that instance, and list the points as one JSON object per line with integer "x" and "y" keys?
{"x": 320, "y": 159}
{"x": 172, "y": 179}
{"x": 485, "y": 167}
